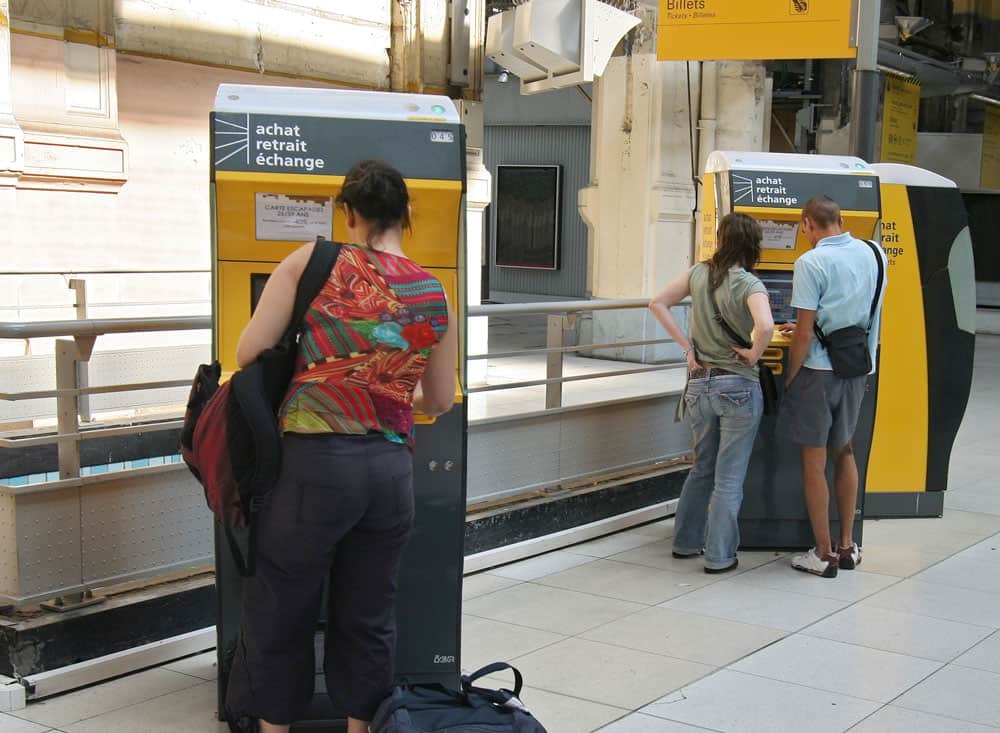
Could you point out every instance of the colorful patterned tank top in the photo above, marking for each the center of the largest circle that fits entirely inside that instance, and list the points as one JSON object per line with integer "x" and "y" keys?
{"x": 364, "y": 346}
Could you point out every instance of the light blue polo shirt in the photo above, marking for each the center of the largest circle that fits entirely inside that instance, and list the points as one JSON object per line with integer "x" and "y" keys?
{"x": 837, "y": 280}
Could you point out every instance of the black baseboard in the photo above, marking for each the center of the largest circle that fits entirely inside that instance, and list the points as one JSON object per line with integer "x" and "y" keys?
{"x": 39, "y": 642}
{"x": 520, "y": 523}
{"x": 902, "y": 505}
{"x": 96, "y": 452}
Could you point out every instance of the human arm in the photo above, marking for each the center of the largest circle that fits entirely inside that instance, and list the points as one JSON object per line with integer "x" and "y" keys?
{"x": 802, "y": 336}
{"x": 435, "y": 394}
{"x": 274, "y": 309}
{"x": 660, "y": 306}
{"x": 763, "y": 329}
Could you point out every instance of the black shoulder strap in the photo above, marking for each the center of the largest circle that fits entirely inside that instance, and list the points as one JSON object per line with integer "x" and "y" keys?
{"x": 324, "y": 257}
{"x": 731, "y": 332}
{"x": 878, "y": 287}
{"x": 878, "y": 292}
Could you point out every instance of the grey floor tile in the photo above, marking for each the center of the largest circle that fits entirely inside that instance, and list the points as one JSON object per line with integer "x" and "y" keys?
{"x": 13, "y": 724}
{"x": 985, "y": 655}
{"x": 614, "y": 544}
{"x": 901, "y": 559}
{"x": 628, "y": 582}
{"x": 59, "y": 712}
{"x": 940, "y": 601}
{"x": 704, "y": 639}
{"x": 848, "y": 586}
{"x": 192, "y": 710}
{"x": 539, "y": 567}
{"x": 658, "y": 555}
{"x": 903, "y": 633}
{"x": 563, "y": 714}
{"x": 660, "y": 530}
{"x": 963, "y": 572}
{"x": 480, "y": 584}
{"x": 857, "y": 671}
{"x": 891, "y": 719}
{"x": 732, "y": 702}
{"x": 640, "y": 723}
{"x": 549, "y": 609}
{"x": 751, "y": 604}
{"x": 204, "y": 666}
{"x": 957, "y": 692}
{"x": 610, "y": 675}
{"x": 988, "y": 549}
{"x": 485, "y": 641}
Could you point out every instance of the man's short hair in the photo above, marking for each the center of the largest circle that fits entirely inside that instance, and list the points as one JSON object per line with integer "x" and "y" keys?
{"x": 823, "y": 210}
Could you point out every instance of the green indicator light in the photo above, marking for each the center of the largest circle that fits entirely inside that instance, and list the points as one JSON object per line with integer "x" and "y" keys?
{"x": 437, "y": 109}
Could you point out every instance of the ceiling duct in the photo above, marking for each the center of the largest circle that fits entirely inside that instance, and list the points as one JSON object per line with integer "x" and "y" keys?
{"x": 552, "y": 44}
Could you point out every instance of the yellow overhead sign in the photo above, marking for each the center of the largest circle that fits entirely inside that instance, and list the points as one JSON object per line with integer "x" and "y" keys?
{"x": 695, "y": 30}
{"x": 901, "y": 112}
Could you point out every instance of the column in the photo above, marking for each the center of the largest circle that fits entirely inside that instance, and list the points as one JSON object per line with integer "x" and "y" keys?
{"x": 11, "y": 138}
{"x": 654, "y": 124}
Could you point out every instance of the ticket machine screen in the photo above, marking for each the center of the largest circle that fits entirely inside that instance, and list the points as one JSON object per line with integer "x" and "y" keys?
{"x": 779, "y": 292}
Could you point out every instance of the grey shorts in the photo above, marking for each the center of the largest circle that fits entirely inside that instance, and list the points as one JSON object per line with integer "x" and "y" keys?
{"x": 820, "y": 409}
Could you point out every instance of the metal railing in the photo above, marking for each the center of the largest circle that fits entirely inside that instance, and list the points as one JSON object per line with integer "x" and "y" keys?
{"x": 74, "y": 346}
{"x": 562, "y": 316}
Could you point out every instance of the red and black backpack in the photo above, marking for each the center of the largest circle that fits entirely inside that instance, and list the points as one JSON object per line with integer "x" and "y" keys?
{"x": 230, "y": 439}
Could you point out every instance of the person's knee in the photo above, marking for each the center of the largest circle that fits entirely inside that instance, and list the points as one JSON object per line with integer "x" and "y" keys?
{"x": 844, "y": 452}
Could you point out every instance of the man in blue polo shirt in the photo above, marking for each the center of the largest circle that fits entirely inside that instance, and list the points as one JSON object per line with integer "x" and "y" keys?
{"x": 834, "y": 285}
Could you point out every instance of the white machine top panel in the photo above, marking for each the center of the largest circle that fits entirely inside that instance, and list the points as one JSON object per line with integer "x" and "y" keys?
{"x": 727, "y": 160}
{"x": 908, "y": 175}
{"x": 337, "y": 103}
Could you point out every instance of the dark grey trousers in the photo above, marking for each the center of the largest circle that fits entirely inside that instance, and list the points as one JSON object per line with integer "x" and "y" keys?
{"x": 342, "y": 511}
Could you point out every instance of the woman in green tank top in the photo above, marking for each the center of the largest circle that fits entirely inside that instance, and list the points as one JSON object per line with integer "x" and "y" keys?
{"x": 723, "y": 398}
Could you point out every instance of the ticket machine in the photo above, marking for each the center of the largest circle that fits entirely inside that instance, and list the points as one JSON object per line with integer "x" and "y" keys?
{"x": 928, "y": 342}
{"x": 279, "y": 157}
{"x": 773, "y": 188}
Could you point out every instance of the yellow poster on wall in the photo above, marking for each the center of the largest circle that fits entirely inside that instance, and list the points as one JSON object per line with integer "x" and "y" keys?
{"x": 901, "y": 113}
{"x": 991, "y": 148}
{"x": 696, "y": 30}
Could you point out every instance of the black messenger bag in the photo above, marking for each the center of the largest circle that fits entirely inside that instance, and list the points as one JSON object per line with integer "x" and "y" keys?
{"x": 848, "y": 347}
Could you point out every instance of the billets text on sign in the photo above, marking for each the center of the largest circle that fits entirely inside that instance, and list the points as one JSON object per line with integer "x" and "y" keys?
{"x": 696, "y": 30}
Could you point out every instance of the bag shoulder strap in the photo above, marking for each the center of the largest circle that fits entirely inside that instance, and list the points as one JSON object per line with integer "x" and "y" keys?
{"x": 878, "y": 292}
{"x": 878, "y": 286}
{"x": 321, "y": 262}
{"x": 731, "y": 332}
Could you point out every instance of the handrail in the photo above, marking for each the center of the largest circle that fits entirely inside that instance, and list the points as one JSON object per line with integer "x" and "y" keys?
{"x": 102, "y": 326}
{"x": 558, "y": 313}
{"x": 555, "y": 307}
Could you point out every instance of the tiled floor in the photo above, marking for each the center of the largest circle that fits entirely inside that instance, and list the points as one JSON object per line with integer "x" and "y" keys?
{"x": 616, "y": 635}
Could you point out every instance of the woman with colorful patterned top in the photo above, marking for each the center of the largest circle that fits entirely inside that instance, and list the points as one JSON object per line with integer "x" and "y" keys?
{"x": 377, "y": 342}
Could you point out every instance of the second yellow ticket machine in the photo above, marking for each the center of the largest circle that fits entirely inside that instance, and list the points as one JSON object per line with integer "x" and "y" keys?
{"x": 915, "y": 401}
{"x": 279, "y": 157}
{"x": 773, "y": 188}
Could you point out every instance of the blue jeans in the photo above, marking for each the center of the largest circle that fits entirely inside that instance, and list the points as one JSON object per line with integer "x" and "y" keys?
{"x": 725, "y": 413}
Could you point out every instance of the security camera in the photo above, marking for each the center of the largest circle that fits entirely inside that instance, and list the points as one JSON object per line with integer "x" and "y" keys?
{"x": 503, "y": 76}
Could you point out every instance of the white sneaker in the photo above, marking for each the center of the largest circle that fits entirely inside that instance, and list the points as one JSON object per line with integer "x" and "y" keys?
{"x": 850, "y": 557}
{"x": 811, "y": 562}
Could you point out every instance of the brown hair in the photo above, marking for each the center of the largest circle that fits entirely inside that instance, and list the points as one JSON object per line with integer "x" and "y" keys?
{"x": 824, "y": 211}
{"x": 739, "y": 245}
{"x": 376, "y": 191}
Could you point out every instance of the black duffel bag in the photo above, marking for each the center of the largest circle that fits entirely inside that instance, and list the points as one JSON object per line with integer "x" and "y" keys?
{"x": 431, "y": 708}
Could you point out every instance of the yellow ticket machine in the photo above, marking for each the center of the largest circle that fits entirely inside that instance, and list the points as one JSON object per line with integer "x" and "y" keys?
{"x": 928, "y": 342}
{"x": 773, "y": 188}
{"x": 279, "y": 157}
